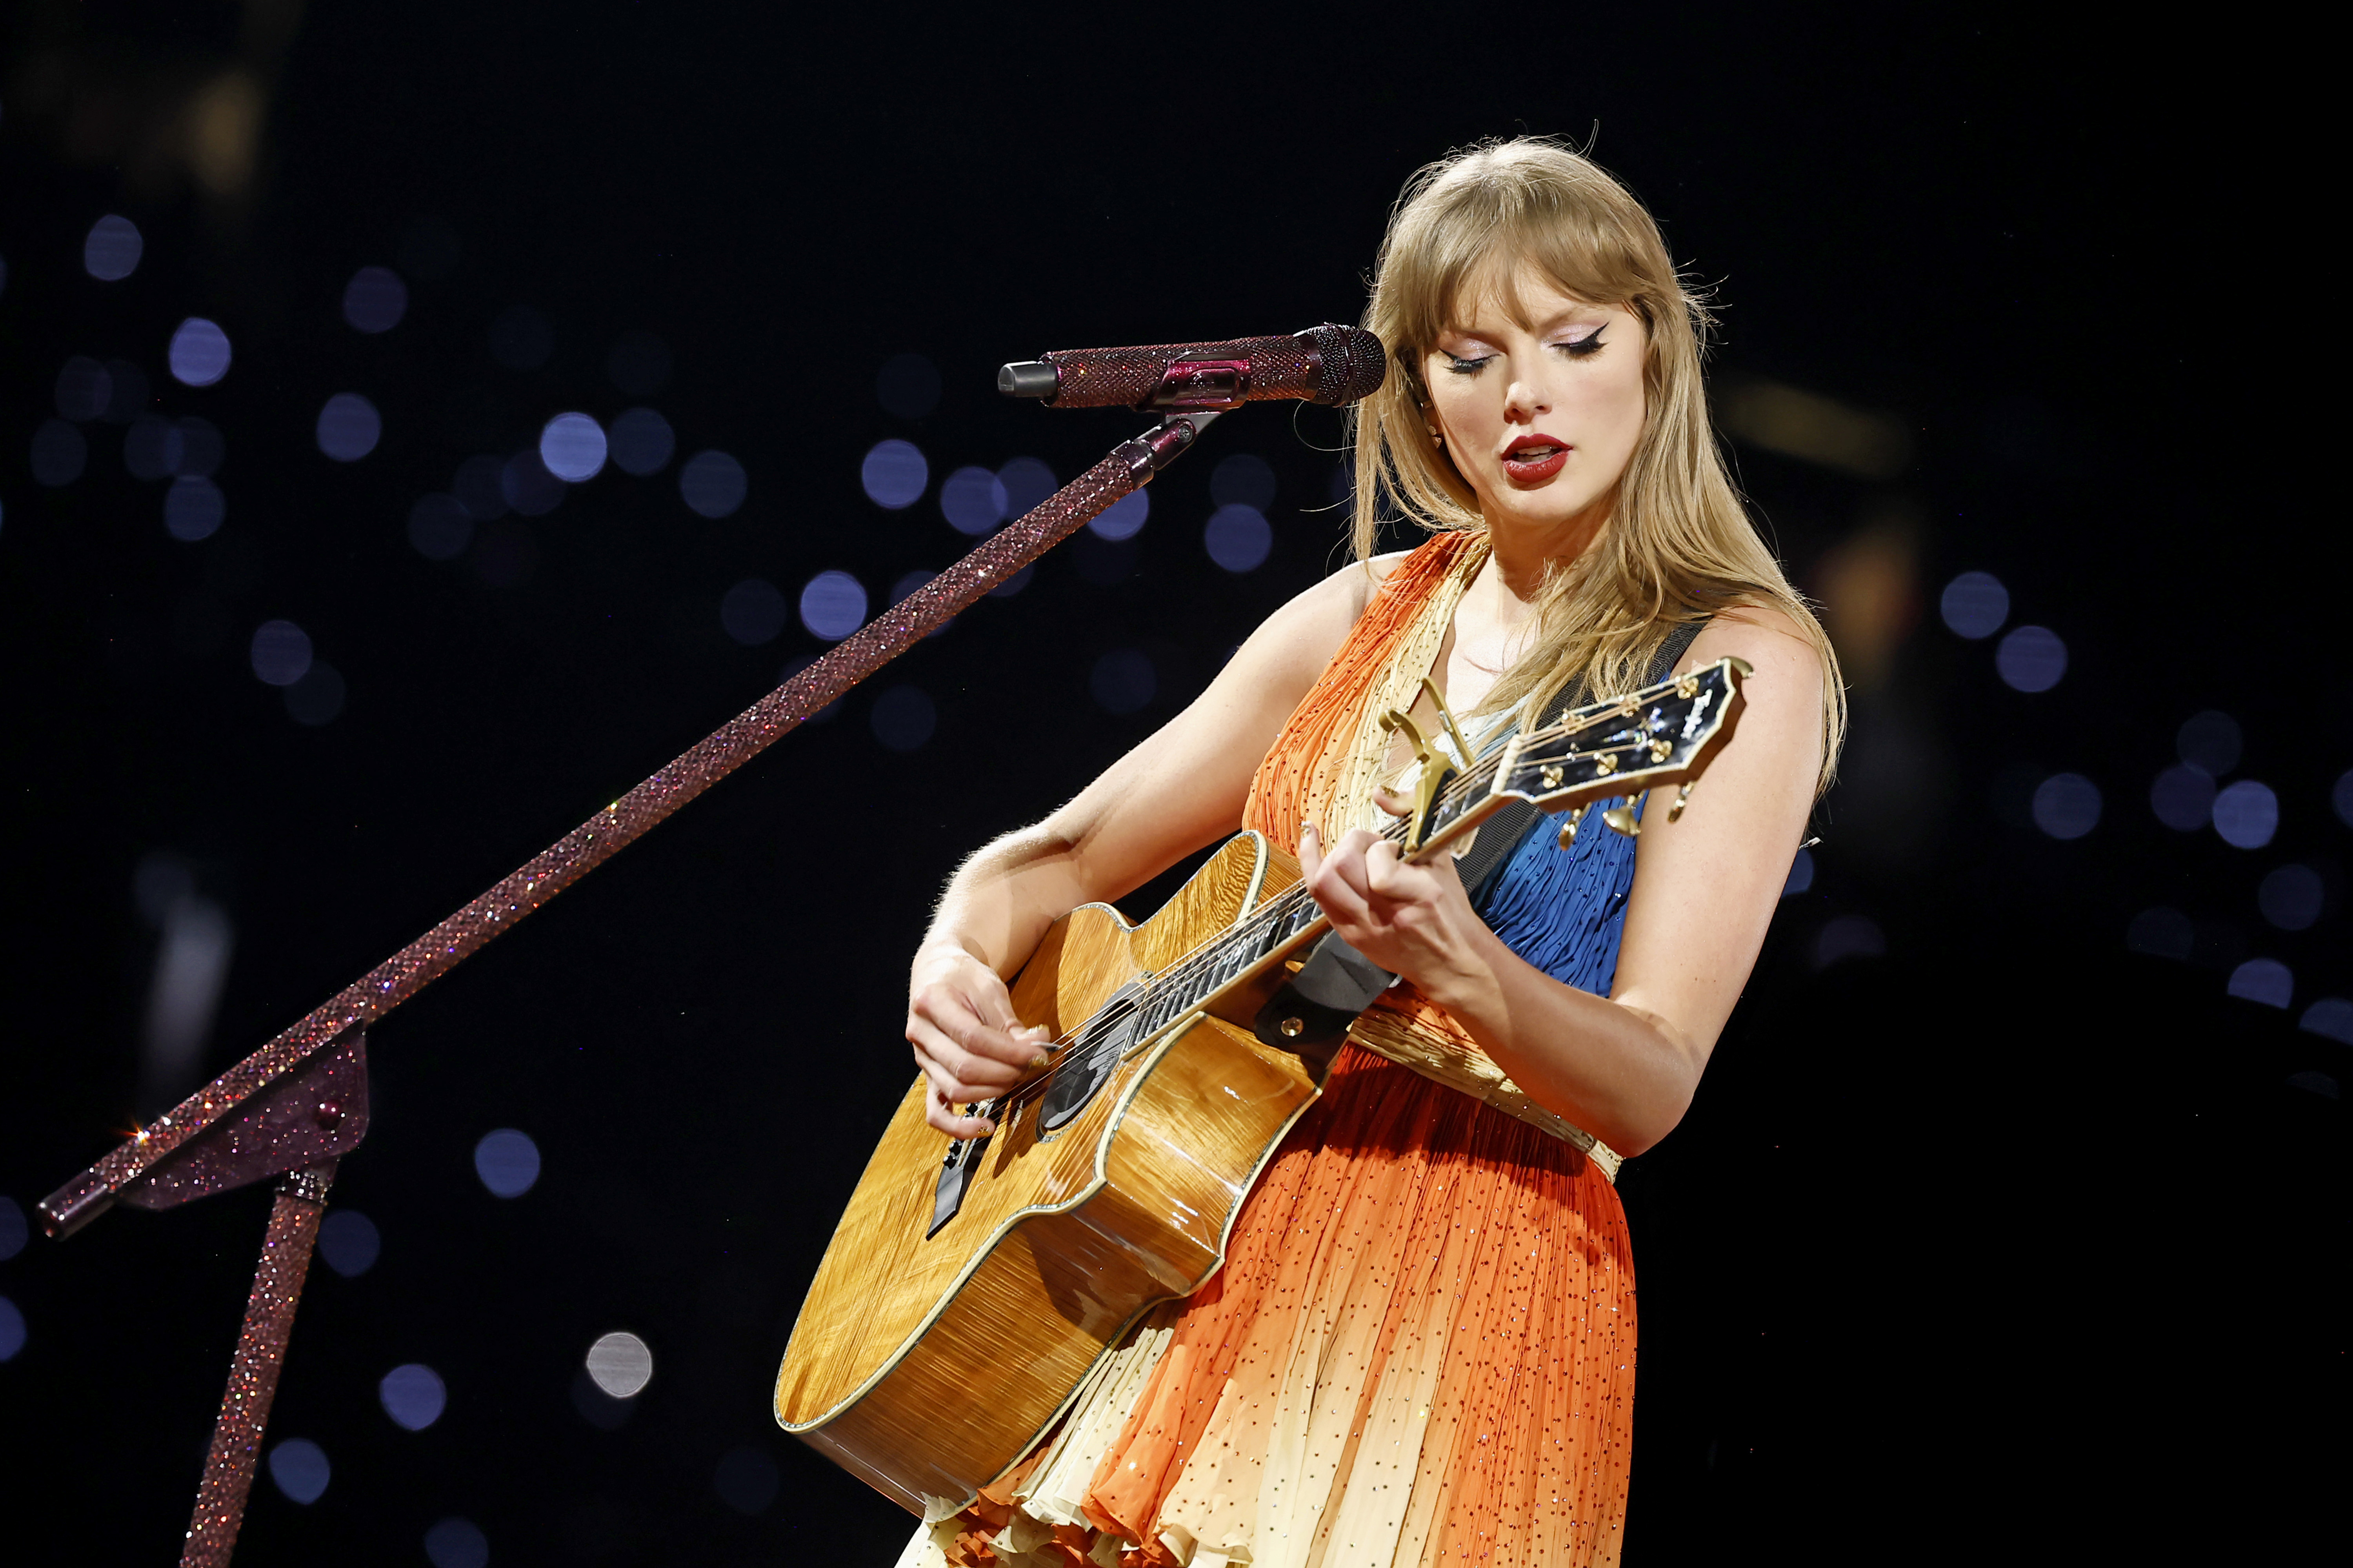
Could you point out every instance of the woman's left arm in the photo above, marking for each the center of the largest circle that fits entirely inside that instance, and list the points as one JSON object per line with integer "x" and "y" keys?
{"x": 1622, "y": 1068}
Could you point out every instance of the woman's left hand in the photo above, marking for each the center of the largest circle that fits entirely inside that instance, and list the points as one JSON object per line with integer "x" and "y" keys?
{"x": 1415, "y": 920}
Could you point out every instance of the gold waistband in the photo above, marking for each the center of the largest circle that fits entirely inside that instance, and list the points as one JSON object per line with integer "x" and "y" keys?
{"x": 1460, "y": 1064}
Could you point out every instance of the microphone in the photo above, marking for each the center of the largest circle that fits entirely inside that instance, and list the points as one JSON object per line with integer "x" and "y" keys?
{"x": 1327, "y": 364}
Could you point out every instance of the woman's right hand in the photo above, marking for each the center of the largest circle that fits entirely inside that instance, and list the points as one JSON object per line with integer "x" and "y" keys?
{"x": 967, "y": 1042}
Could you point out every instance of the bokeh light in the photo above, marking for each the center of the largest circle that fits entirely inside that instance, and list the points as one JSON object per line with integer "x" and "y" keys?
{"x": 2067, "y": 806}
{"x": 620, "y": 1364}
{"x": 746, "y": 1480}
{"x": 507, "y": 1161}
{"x": 374, "y": 299}
{"x": 894, "y": 474}
{"x": 349, "y": 428}
{"x": 2331, "y": 1017}
{"x": 2263, "y": 980}
{"x": 2290, "y": 898}
{"x": 641, "y": 442}
{"x": 157, "y": 448}
{"x": 479, "y": 486}
{"x": 318, "y": 697}
{"x": 2340, "y": 797}
{"x": 903, "y": 719}
{"x": 1027, "y": 482}
{"x": 413, "y": 1395}
{"x": 2183, "y": 797}
{"x": 126, "y": 391}
{"x": 456, "y": 1544}
{"x": 2161, "y": 932}
{"x": 350, "y": 1242}
{"x": 527, "y": 485}
{"x": 2031, "y": 659}
{"x": 112, "y": 250}
{"x": 753, "y": 612}
{"x": 299, "y": 1468}
{"x": 1848, "y": 936}
{"x": 833, "y": 606}
{"x": 713, "y": 484}
{"x": 440, "y": 528}
{"x": 1238, "y": 538}
{"x": 639, "y": 364}
{"x": 60, "y": 453}
{"x": 1125, "y": 518}
{"x": 1975, "y": 605}
{"x": 571, "y": 446}
{"x": 2246, "y": 814}
{"x": 280, "y": 652}
{"x": 973, "y": 500}
{"x": 1242, "y": 479}
{"x": 15, "y": 1229}
{"x": 11, "y": 1329}
{"x": 193, "y": 509}
{"x": 1122, "y": 681}
{"x": 84, "y": 390}
{"x": 200, "y": 353}
{"x": 1801, "y": 874}
{"x": 908, "y": 385}
{"x": 520, "y": 339}
{"x": 2210, "y": 743}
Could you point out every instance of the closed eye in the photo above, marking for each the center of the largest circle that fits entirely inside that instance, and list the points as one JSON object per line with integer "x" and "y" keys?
{"x": 1457, "y": 364}
{"x": 1581, "y": 348}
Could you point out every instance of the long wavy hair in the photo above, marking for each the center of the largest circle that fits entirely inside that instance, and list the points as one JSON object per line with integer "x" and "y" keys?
{"x": 1678, "y": 545}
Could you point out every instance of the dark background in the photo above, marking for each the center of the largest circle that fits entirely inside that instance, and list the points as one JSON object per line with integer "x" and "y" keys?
{"x": 2003, "y": 1240}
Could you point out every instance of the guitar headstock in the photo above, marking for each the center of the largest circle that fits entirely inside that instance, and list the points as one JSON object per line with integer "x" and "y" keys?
{"x": 1662, "y": 734}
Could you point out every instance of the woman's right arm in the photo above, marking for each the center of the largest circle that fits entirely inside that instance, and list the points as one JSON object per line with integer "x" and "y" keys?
{"x": 1181, "y": 789}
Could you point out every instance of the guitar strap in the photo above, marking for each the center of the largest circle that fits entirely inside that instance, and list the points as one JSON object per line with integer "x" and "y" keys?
{"x": 1311, "y": 1014}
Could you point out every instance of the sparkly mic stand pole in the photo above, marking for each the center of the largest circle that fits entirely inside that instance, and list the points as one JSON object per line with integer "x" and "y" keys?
{"x": 300, "y": 1102}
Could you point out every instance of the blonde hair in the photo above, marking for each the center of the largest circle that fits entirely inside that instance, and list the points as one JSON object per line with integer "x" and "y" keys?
{"x": 1678, "y": 545}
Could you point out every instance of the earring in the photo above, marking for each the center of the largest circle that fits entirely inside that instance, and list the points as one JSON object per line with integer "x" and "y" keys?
{"x": 1435, "y": 437}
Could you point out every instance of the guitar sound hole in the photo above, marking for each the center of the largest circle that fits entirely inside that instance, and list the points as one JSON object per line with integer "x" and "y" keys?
{"x": 1091, "y": 1062}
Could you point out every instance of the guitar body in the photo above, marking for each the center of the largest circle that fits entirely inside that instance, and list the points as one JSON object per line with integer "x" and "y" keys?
{"x": 927, "y": 1364}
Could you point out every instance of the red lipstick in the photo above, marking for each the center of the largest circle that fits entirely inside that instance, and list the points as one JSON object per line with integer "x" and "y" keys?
{"x": 1532, "y": 459}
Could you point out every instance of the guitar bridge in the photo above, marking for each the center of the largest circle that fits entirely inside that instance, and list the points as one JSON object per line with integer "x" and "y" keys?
{"x": 958, "y": 1170}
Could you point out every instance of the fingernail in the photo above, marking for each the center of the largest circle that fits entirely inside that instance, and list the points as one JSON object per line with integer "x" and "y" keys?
{"x": 1041, "y": 1059}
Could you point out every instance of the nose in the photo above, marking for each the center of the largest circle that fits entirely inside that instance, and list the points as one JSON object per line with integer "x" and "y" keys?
{"x": 1526, "y": 396}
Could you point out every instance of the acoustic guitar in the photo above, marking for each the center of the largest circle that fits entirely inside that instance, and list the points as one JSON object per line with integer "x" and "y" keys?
{"x": 972, "y": 1284}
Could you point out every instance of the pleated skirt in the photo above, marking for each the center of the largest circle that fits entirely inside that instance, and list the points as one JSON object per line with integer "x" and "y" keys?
{"x": 1420, "y": 1351}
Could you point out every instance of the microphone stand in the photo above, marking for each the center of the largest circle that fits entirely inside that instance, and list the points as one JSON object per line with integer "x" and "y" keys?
{"x": 295, "y": 1107}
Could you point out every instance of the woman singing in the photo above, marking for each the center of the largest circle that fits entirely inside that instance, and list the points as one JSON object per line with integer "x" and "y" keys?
{"x": 1421, "y": 1347}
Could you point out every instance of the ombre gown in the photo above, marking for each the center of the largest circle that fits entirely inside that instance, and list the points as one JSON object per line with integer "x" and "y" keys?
{"x": 1420, "y": 1350}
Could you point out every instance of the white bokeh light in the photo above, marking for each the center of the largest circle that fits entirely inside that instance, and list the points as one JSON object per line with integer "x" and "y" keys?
{"x": 620, "y": 1364}
{"x": 573, "y": 447}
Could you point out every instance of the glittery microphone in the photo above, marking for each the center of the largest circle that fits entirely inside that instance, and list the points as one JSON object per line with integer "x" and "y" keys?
{"x": 1326, "y": 365}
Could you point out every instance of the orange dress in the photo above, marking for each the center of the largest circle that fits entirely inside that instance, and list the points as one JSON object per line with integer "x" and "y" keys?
{"x": 1420, "y": 1350}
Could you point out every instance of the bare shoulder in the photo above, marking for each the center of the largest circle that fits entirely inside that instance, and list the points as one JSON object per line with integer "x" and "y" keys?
{"x": 1769, "y": 641}
{"x": 1299, "y": 638}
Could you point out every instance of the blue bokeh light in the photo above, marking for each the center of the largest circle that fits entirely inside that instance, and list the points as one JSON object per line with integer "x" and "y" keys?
{"x": 713, "y": 484}
{"x": 300, "y": 1470}
{"x": 413, "y": 1395}
{"x": 2067, "y": 806}
{"x": 1125, "y": 518}
{"x": 2031, "y": 659}
{"x": 200, "y": 353}
{"x": 440, "y": 528}
{"x": 112, "y": 250}
{"x": 2183, "y": 797}
{"x": 973, "y": 500}
{"x": 2246, "y": 814}
{"x": 573, "y": 448}
{"x": 641, "y": 442}
{"x": 833, "y": 606}
{"x": 456, "y": 1544}
{"x": 1974, "y": 605}
{"x": 281, "y": 653}
{"x": 1027, "y": 482}
{"x": 2211, "y": 742}
{"x": 1242, "y": 479}
{"x": 2263, "y": 980}
{"x": 350, "y": 1242}
{"x": 1238, "y": 538}
{"x": 753, "y": 612}
{"x": 193, "y": 509}
{"x": 507, "y": 1161}
{"x": 894, "y": 474}
{"x": 374, "y": 299}
{"x": 349, "y": 428}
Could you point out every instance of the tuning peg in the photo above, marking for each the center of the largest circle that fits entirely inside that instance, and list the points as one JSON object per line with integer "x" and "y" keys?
{"x": 1682, "y": 799}
{"x": 1568, "y": 828}
{"x": 1623, "y": 817}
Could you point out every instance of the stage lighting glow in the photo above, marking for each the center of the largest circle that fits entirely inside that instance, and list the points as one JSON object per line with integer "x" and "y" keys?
{"x": 1801, "y": 874}
{"x": 60, "y": 453}
{"x": 300, "y": 1470}
{"x": 318, "y": 697}
{"x": 2067, "y": 806}
{"x": 746, "y": 1480}
{"x": 193, "y": 509}
{"x": 1848, "y": 936}
{"x": 1238, "y": 538}
{"x": 620, "y": 1364}
{"x": 1975, "y": 605}
{"x": 280, "y": 652}
{"x": 456, "y": 1544}
{"x": 2183, "y": 797}
{"x": 2331, "y": 1017}
{"x": 1027, "y": 482}
{"x": 1125, "y": 518}
{"x": 2263, "y": 980}
{"x": 440, "y": 528}
{"x": 11, "y": 1329}
{"x": 112, "y": 250}
{"x": 753, "y": 612}
{"x": 2246, "y": 814}
{"x": 477, "y": 487}
{"x": 126, "y": 391}
{"x": 349, "y": 428}
{"x": 2161, "y": 932}
{"x": 200, "y": 353}
{"x": 350, "y": 1242}
{"x": 527, "y": 485}
{"x": 973, "y": 500}
{"x": 573, "y": 448}
{"x": 2290, "y": 898}
{"x": 639, "y": 364}
{"x": 894, "y": 474}
{"x": 520, "y": 339}
{"x": 15, "y": 1228}
{"x": 1242, "y": 479}
{"x": 508, "y": 1163}
{"x": 374, "y": 299}
{"x": 1122, "y": 681}
{"x": 413, "y": 1395}
{"x": 713, "y": 484}
{"x": 2031, "y": 659}
{"x": 908, "y": 385}
{"x": 84, "y": 389}
{"x": 2210, "y": 743}
{"x": 833, "y": 606}
{"x": 641, "y": 442}
{"x": 903, "y": 719}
